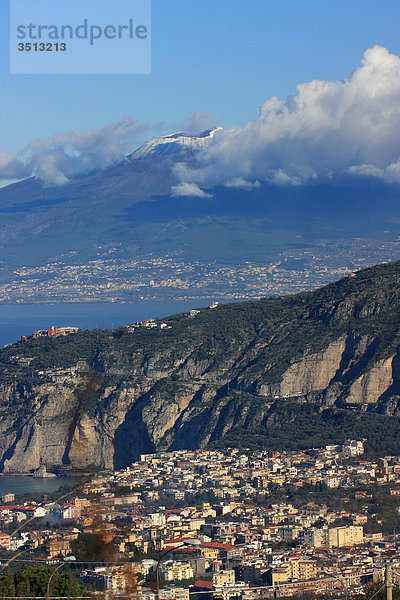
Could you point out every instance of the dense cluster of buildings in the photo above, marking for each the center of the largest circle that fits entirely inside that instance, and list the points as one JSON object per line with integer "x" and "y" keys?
{"x": 209, "y": 513}
{"x": 112, "y": 278}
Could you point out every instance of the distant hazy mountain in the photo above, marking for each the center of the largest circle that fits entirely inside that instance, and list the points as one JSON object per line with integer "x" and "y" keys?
{"x": 128, "y": 207}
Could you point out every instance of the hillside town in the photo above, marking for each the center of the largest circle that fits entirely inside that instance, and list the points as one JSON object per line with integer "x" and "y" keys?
{"x": 225, "y": 524}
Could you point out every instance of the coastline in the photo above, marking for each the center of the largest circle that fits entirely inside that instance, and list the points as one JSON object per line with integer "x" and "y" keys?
{"x": 17, "y": 320}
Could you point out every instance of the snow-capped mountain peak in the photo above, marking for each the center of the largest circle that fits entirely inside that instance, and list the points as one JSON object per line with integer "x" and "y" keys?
{"x": 174, "y": 143}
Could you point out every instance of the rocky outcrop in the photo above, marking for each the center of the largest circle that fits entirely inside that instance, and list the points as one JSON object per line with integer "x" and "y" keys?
{"x": 314, "y": 372}
{"x": 34, "y": 423}
{"x": 311, "y": 373}
{"x": 370, "y": 386}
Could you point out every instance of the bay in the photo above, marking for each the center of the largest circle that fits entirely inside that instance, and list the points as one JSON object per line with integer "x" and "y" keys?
{"x": 26, "y": 485}
{"x": 24, "y": 319}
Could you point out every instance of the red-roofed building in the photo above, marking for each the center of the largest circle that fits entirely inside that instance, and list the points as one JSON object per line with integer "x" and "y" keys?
{"x": 202, "y": 584}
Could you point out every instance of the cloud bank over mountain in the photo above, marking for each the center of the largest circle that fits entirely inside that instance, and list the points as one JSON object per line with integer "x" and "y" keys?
{"x": 55, "y": 159}
{"x": 327, "y": 129}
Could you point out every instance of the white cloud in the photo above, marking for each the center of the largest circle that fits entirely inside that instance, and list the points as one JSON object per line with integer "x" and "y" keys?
{"x": 326, "y": 129}
{"x": 366, "y": 170}
{"x": 239, "y": 182}
{"x": 12, "y": 168}
{"x": 279, "y": 177}
{"x": 54, "y": 160}
{"x": 390, "y": 174}
{"x": 189, "y": 189}
{"x": 199, "y": 122}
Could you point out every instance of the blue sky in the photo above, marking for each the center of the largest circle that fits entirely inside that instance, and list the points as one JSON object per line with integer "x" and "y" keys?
{"x": 221, "y": 57}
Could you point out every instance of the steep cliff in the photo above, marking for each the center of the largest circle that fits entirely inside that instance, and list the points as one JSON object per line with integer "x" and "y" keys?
{"x": 293, "y": 371}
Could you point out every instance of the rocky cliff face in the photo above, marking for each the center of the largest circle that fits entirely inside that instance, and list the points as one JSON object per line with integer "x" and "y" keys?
{"x": 228, "y": 370}
{"x": 311, "y": 374}
{"x": 50, "y": 424}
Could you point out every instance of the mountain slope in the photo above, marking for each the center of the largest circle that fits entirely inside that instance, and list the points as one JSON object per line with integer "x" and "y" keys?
{"x": 126, "y": 213}
{"x": 293, "y": 371}
{"x": 39, "y": 221}
{"x": 175, "y": 143}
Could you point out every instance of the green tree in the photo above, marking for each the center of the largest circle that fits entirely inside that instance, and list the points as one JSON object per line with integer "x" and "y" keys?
{"x": 33, "y": 580}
